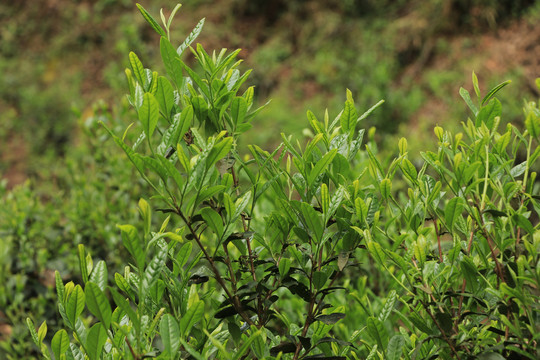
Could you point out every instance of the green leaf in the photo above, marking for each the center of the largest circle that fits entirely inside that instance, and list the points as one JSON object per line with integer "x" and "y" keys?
{"x": 319, "y": 279}
{"x": 370, "y": 110}
{"x": 475, "y": 84}
{"x": 388, "y": 306}
{"x": 361, "y": 210}
{"x": 97, "y": 303}
{"x": 493, "y": 91}
{"x": 343, "y": 259}
{"x": 376, "y": 330}
{"x": 132, "y": 243}
{"x": 183, "y": 254}
{"x": 532, "y": 122}
{"x": 153, "y": 270}
{"x": 75, "y": 305}
{"x": 348, "y": 119}
{"x": 60, "y": 343}
{"x": 191, "y": 37}
{"x": 386, "y": 188}
{"x": 325, "y": 200}
{"x": 409, "y": 170}
{"x": 146, "y": 214}
{"x": 241, "y": 204}
{"x": 97, "y": 336}
{"x": 149, "y": 114}
{"x": 488, "y": 113}
{"x": 165, "y": 96}
{"x": 181, "y": 124}
{"x": 170, "y": 334}
{"x": 312, "y": 221}
{"x": 239, "y": 109}
{"x": 151, "y": 21}
{"x": 219, "y": 151}
{"x": 284, "y": 267}
{"x": 395, "y": 347}
{"x": 82, "y": 267}
{"x": 42, "y": 331}
{"x": 172, "y": 62}
{"x": 32, "y": 328}
{"x": 523, "y": 223}
{"x": 100, "y": 275}
{"x": 452, "y": 211}
{"x": 137, "y": 67}
{"x": 193, "y": 315}
{"x": 245, "y": 346}
{"x": 468, "y": 269}
{"x": 213, "y": 220}
{"x": 465, "y": 95}
{"x": 330, "y": 319}
{"x": 123, "y": 304}
{"x": 321, "y": 165}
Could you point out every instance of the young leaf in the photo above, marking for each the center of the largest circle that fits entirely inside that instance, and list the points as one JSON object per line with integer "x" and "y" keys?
{"x": 75, "y": 305}
{"x": 465, "y": 95}
{"x": 97, "y": 336}
{"x": 395, "y": 347}
{"x": 100, "y": 275}
{"x": 172, "y": 62}
{"x": 165, "y": 96}
{"x": 137, "y": 67}
{"x": 488, "y": 113}
{"x": 321, "y": 165}
{"x": 312, "y": 221}
{"x": 219, "y": 151}
{"x": 132, "y": 243}
{"x": 60, "y": 343}
{"x": 98, "y": 304}
{"x": 153, "y": 270}
{"x": 348, "y": 119}
{"x": 453, "y": 211}
{"x": 123, "y": 304}
{"x": 493, "y": 91}
{"x": 194, "y": 314}
{"x": 149, "y": 114}
{"x": 386, "y": 188}
{"x": 151, "y": 21}
{"x": 532, "y": 122}
{"x": 170, "y": 334}
{"x": 191, "y": 37}
{"x": 238, "y": 110}
{"x": 213, "y": 220}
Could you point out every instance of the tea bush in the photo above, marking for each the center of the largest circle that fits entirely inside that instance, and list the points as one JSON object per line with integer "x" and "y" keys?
{"x": 311, "y": 251}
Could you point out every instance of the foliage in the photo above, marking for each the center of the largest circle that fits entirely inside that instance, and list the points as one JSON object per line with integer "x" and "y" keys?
{"x": 260, "y": 255}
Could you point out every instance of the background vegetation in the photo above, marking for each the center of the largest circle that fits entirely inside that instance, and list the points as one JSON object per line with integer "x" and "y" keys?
{"x": 62, "y": 70}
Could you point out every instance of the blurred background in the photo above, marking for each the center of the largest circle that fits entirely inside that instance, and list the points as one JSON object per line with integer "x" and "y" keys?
{"x": 62, "y": 69}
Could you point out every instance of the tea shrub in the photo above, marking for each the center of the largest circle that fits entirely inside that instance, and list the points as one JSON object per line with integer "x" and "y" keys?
{"x": 308, "y": 251}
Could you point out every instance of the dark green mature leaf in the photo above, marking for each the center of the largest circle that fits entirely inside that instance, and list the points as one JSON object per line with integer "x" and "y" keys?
{"x": 97, "y": 336}
{"x": 170, "y": 334}
{"x": 219, "y": 151}
{"x": 98, "y": 304}
{"x": 149, "y": 114}
{"x": 60, "y": 343}
{"x": 284, "y": 348}
{"x": 330, "y": 318}
{"x": 238, "y": 110}
{"x": 254, "y": 338}
{"x": 319, "y": 279}
{"x": 151, "y": 21}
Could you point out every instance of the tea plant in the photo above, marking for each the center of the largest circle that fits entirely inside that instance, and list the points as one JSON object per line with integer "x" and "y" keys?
{"x": 260, "y": 246}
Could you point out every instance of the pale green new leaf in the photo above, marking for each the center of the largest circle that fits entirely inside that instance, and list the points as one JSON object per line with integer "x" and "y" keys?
{"x": 348, "y": 118}
{"x": 132, "y": 242}
{"x": 241, "y": 204}
{"x": 60, "y": 343}
{"x": 532, "y": 122}
{"x": 465, "y": 95}
{"x": 137, "y": 67}
{"x": 219, "y": 151}
{"x": 452, "y": 211}
{"x": 97, "y": 336}
{"x": 123, "y": 304}
{"x": 151, "y": 21}
{"x": 239, "y": 109}
{"x": 493, "y": 91}
{"x": 75, "y": 305}
{"x": 321, "y": 166}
